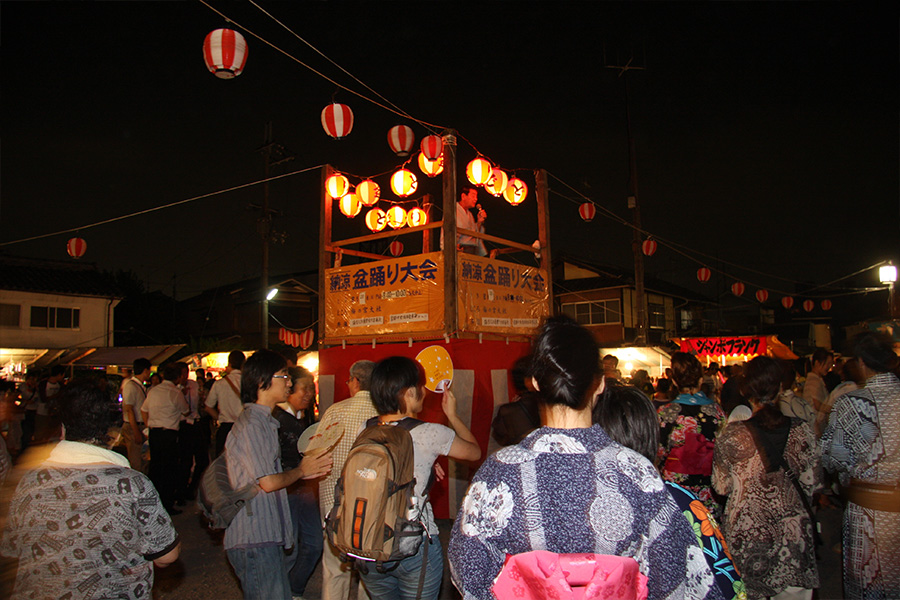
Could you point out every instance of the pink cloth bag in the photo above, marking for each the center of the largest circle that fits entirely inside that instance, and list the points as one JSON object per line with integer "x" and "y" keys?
{"x": 540, "y": 574}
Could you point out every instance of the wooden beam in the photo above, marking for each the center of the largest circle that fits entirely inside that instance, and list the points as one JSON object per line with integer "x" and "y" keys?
{"x": 324, "y": 241}
{"x": 542, "y": 193}
{"x": 386, "y": 234}
{"x": 495, "y": 239}
{"x": 361, "y": 254}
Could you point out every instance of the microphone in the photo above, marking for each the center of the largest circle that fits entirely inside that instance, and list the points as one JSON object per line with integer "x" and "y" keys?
{"x": 478, "y": 206}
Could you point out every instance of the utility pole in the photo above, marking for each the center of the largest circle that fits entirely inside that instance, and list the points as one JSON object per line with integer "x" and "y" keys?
{"x": 639, "y": 296}
{"x": 273, "y": 154}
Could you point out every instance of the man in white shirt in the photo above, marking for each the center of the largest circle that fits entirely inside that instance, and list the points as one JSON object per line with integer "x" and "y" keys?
{"x": 468, "y": 199}
{"x": 163, "y": 411}
{"x": 133, "y": 395}
{"x": 224, "y": 400}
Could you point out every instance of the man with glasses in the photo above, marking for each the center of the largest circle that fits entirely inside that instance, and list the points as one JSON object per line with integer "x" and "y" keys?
{"x": 352, "y": 413}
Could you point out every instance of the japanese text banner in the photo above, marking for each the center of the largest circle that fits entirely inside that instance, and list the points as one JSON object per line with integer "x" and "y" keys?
{"x": 501, "y": 297}
{"x": 398, "y": 295}
{"x": 718, "y": 346}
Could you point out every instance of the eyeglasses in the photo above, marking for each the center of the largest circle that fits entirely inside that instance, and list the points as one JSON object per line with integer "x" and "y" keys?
{"x": 286, "y": 377}
{"x": 349, "y": 380}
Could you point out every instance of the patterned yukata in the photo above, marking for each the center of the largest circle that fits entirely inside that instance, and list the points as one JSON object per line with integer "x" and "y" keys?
{"x": 862, "y": 441}
{"x": 86, "y": 528}
{"x": 575, "y": 491}
{"x": 688, "y": 427}
{"x": 767, "y": 527}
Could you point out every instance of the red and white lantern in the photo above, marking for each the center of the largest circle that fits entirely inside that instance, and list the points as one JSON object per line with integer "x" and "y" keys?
{"x": 337, "y": 186}
{"x": 376, "y": 220}
{"x": 350, "y": 205}
{"x": 404, "y": 183}
{"x": 225, "y": 53}
{"x": 703, "y": 274}
{"x": 762, "y": 295}
{"x": 337, "y": 120}
{"x": 808, "y": 305}
{"x": 737, "y": 288}
{"x": 649, "y": 247}
{"x": 306, "y": 338}
{"x": 497, "y": 182}
{"x": 826, "y": 305}
{"x": 396, "y": 248}
{"x": 76, "y": 247}
{"x": 787, "y": 302}
{"x": 281, "y": 332}
{"x": 396, "y": 217}
{"x": 515, "y": 191}
{"x": 432, "y": 168}
{"x": 369, "y": 192}
{"x": 432, "y": 146}
{"x": 587, "y": 211}
{"x": 400, "y": 139}
{"x": 416, "y": 217}
{"x": 478, "y": 171}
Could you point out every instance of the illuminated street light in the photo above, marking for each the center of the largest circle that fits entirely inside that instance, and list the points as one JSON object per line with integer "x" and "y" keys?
{"x": 272, "y": 293}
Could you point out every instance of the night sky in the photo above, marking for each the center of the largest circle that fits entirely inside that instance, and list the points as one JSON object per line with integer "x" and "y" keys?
{"x": 767, "y": 133}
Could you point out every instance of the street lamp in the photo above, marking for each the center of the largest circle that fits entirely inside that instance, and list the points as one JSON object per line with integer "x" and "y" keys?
{"x": 888, "y": 276}
{"x": 272, "y": 293}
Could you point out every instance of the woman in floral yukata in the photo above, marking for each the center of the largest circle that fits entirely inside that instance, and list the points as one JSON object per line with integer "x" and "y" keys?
{"x": 569, "y": 488}
{"x": 688, "y": 427}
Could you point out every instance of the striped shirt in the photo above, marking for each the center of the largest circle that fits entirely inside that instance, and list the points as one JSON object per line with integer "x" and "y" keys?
{"x": 353, "y": 413}
{"x": 253, "y": 452}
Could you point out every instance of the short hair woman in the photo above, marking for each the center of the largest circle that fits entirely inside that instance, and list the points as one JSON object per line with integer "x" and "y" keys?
{"x": 398, "y": 392}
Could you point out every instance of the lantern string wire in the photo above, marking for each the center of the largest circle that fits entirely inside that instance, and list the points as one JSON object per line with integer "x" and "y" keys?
{"x": 162, "y": 207}
{"x": 399, "y": 110}
{"x": 691, "y": 254}
{"x": 319, "y": 73}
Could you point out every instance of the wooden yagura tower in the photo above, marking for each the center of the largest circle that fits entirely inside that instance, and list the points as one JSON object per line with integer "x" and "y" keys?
{"x": 482, "y": 311}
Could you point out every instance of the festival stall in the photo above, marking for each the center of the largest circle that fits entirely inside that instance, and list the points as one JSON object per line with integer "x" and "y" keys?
{"x": 739, "y": 349}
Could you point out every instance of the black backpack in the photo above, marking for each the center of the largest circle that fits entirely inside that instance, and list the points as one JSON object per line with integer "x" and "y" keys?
{"x": 374, "y": 518}
{"x": 217, "y": 499}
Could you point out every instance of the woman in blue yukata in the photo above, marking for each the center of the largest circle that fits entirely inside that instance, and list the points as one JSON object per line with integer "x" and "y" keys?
{"x": 569, "y": 488}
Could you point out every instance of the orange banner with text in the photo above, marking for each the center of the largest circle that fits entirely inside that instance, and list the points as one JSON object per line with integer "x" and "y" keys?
{"x": 393, "y": 296}
{"x": 501, "y": 297}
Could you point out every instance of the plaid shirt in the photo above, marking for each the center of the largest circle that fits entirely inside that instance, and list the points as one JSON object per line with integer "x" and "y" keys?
{"x": 353, "y": 413}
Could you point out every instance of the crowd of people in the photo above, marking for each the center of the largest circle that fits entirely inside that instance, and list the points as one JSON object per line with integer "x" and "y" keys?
{"x": 702, "y": 484}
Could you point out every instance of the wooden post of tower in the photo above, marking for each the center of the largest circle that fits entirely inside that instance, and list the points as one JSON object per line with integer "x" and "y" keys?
{"x": 450, "y": 195}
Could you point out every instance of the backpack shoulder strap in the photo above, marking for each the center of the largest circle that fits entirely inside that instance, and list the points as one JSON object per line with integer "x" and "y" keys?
{"x": 233, "y": 387}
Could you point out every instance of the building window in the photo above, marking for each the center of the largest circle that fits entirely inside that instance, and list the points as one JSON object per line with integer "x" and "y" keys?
{"x": 53, "y": 317}
{"x": 9, "y": 315}
{"x": 599, "y": 312}
{"x": 657, "y": 315}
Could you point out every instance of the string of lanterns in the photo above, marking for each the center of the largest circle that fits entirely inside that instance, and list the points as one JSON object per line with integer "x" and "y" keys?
{"x": 225, "y": 55}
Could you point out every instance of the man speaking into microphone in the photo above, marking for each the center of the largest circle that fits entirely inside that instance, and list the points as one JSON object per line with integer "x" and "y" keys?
{"x": 468, "y": 200}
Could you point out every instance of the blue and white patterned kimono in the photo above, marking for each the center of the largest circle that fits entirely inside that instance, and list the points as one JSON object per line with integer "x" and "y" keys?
{"x": 568, "y": 491}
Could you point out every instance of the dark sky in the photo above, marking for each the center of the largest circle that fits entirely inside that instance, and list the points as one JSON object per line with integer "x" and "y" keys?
{"x": 767, "y": 133}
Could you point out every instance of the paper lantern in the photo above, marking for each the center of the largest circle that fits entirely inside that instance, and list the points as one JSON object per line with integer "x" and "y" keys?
{"x": 497, "y": 182}
{"x": 369, "y": 192}
{"x": 337, "y": 186}
{"x": 396, "y": 248}
{"x": 478, "y": 171}
{"x": 416, "y": 216}
{"x": 808, "y": 305}
{"x": 404, "y": 183}
{"x": 337, "y": 120}
{"x": 826, "y": 305}
{"x": 587, "y": 211}
{"x": 787, "y": 302}
{"x": 649, "y": 247}
{"x": 281, "y": 332}
{"x": 76, "y": 247}
{"x": 737, "y": 288}
{"x": 432, "y": 146}
{"x": 294, "y": 338}
{"x": 376, "y": 220}
{"x": 396, "y": 217}
{"x": 225, "y": 53}
{"x": 762, "y": 295}
{"x": 400, "y": 139}
{"x": 306, "y": 338}
{"x": 432, "y": 168}
{"x": 350, "y": 205}
{"x": 515, "y": 191}
{"x": 703, "y": 274}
